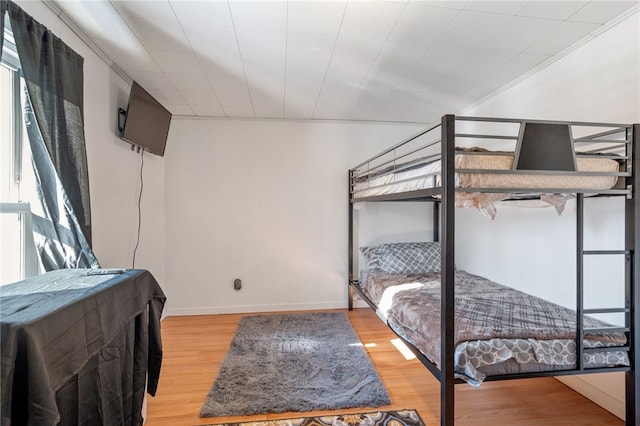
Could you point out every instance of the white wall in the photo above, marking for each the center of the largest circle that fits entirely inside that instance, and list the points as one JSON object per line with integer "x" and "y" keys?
{"x": 600, "y": 81}
{"x": 113, "y": 167}
{"x": 390, "y": 222}
{"x": 266, "y": 202}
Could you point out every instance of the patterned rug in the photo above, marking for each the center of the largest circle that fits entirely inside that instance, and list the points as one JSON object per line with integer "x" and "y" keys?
{"x": 376, "y": 418}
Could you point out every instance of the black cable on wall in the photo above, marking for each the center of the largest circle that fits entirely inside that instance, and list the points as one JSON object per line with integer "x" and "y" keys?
{"x": 133, "y": 261}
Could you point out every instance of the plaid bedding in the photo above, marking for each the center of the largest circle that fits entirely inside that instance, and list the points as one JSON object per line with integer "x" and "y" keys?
{"x": 494, "y": 324}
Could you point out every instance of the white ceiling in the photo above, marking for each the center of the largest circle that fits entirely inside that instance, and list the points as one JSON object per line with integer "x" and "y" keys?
{"x": 401, "y": 61}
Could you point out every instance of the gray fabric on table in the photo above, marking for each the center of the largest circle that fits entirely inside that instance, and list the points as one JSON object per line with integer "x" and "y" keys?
{"x": 77, "y": 349}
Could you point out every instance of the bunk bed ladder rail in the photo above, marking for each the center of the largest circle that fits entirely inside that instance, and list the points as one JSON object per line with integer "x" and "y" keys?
{"x": 581, "y": 311}
{"x": 581, "y": 253}
{"x": 351, "y": 246}
{"x": 632, "y": 290}
{"x": 632, "y": 237}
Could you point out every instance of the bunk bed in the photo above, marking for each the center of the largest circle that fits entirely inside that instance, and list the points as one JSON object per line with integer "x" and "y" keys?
{"x": 466, "y": 328}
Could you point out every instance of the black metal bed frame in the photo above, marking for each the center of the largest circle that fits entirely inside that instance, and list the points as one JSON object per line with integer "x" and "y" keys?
{"x": 443, "y": 201}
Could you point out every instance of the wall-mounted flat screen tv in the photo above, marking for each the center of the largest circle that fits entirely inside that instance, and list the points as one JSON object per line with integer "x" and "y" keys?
{"x": 146, "y": 122}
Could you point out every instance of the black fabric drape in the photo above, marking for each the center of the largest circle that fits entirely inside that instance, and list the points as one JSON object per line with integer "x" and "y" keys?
{"x": 57, "y": 233}
{"x": 79, "y": 349}
{"x": 54, "y": 76}
{"x": 54, "y": 119}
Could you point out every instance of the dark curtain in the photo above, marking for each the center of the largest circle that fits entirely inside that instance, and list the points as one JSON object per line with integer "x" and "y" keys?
{"x": 57, "y": 232}
{"x": 55, "y": 125}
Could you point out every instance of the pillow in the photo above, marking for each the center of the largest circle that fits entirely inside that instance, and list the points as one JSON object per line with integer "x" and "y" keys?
{"x": 402, "y": 258}
{"x": 371, "y": 257}
{"x": 409, "y": 258}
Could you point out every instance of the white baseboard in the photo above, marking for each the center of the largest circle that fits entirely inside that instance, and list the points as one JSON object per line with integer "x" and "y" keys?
{"x": 241, "y": 309}
{"x": 606, "y": 400}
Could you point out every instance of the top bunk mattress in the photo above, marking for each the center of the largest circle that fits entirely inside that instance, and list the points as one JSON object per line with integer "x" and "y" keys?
{"x": 424, "y": 173}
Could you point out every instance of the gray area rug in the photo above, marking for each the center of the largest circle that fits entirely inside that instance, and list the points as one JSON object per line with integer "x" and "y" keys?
{"x": 294, "y": 362}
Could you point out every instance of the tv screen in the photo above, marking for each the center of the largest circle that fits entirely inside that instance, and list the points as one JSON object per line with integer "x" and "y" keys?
{"x": 146, "y": 122}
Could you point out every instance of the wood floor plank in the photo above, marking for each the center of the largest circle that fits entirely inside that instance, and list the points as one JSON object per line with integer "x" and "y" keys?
{"x": 194, "y": 347}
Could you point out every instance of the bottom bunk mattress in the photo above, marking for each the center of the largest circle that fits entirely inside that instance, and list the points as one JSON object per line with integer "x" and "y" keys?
{"x": 499, "y": 330}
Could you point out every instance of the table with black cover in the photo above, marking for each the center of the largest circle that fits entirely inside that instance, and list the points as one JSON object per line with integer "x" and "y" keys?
{"x": 79, "y": 349}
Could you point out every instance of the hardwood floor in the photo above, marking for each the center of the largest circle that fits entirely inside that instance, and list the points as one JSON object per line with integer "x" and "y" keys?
{"x": 194, "y": 348}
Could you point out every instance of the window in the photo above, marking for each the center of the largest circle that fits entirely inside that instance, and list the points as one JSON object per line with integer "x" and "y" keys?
{"x": 17, "y": 250}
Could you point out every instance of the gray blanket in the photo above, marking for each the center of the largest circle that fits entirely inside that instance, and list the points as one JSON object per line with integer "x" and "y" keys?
{"x": 494, "y": 323}
{"x": 79, "y": 349}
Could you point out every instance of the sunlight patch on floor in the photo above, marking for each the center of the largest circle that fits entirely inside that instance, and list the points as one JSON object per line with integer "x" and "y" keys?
{"x": 403, "y": 349}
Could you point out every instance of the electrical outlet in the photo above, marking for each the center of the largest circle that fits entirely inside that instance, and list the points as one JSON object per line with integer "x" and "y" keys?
{"x": 237, "y": 284}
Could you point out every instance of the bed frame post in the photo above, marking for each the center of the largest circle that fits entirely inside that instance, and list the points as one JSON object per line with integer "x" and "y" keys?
{"x": 580, "y": 281}
{"x": 447, "y": 236}
{"x": 350, "y": 242}
{"x": 436, "y": 220}
{"x": 632, "y": 230}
